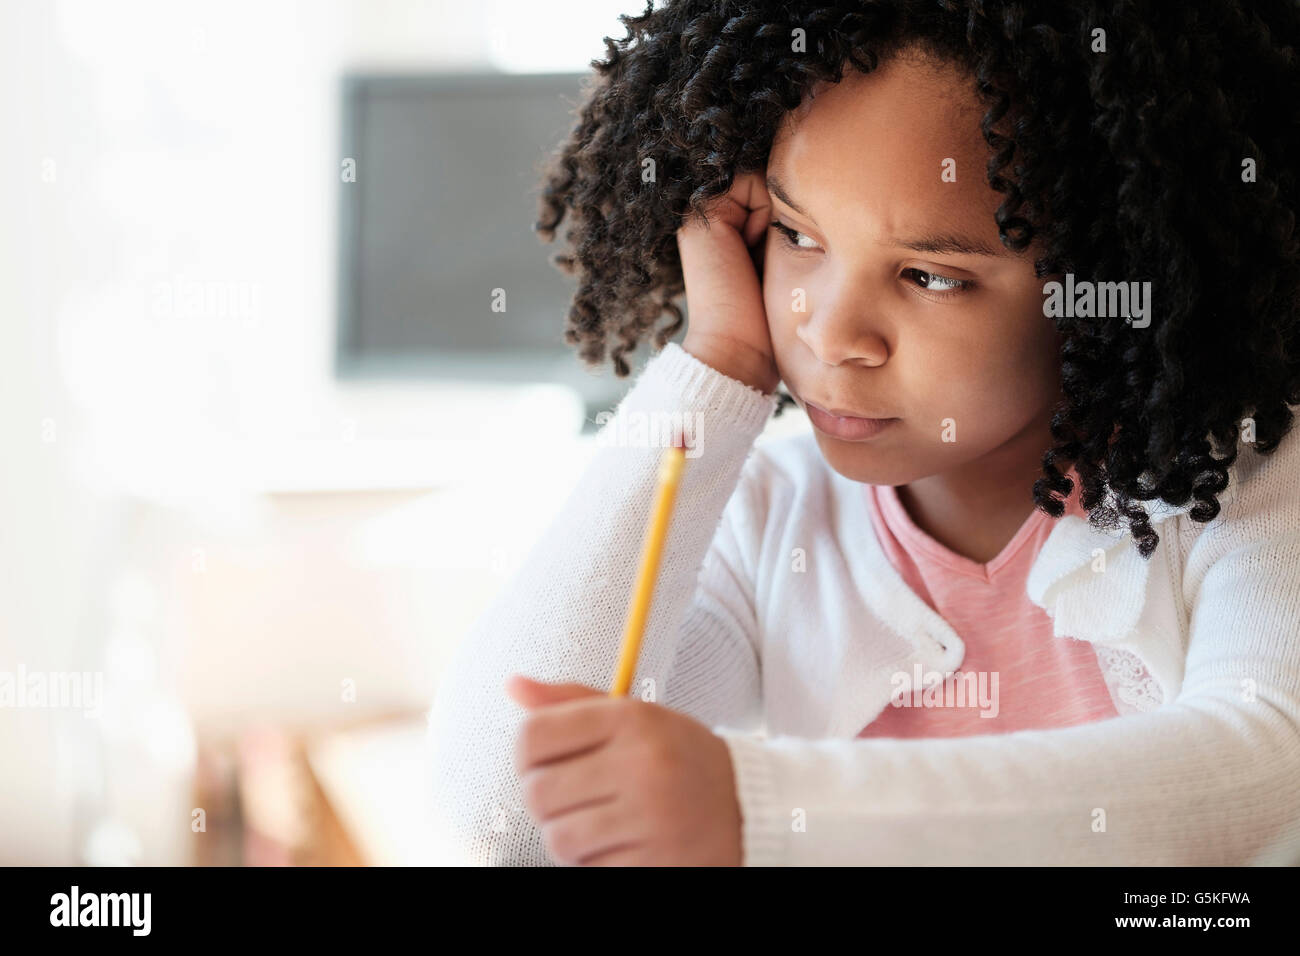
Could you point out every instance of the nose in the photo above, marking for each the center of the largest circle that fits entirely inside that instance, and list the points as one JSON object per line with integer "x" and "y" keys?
{"x": 840, "y": 332}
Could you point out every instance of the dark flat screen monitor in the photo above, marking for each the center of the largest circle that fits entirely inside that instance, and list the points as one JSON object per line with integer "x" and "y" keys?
{"x": 438, "y": 226}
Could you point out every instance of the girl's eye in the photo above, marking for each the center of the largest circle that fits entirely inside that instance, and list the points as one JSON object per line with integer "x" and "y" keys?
{"x": 941, "y": 285}
{"x": 792, "y": 237}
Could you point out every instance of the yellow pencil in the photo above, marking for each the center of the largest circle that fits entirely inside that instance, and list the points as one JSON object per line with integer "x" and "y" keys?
{"x": 670, "y": 474}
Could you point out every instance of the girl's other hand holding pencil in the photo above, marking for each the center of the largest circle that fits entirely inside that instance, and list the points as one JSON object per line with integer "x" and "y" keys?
{"x": 616, "y": 781}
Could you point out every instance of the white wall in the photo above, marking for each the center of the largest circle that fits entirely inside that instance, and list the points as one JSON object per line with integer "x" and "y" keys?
{"x": 189, "y": 504}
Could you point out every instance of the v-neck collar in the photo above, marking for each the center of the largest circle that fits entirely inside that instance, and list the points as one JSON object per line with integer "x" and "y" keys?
{"x": 1093, "y": 613}
{"x": 918, "y": 540}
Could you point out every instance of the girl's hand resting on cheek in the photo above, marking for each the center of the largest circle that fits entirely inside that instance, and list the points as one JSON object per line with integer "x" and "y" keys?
{"x": 728, "y": 324}
{"x": 616, "y": 781}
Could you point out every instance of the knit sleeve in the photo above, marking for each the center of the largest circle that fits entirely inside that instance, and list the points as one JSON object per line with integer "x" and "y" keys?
{"x": 715, "y": 674}
{"x": 1211, "y": 778}
{"x": 561, "y": 616}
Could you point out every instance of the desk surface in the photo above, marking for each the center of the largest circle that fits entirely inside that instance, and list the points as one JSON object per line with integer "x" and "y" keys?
{"x": 374, "y": 780}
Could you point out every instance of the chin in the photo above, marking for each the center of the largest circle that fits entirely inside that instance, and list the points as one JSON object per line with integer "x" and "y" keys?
{"x": 867, "y": 462}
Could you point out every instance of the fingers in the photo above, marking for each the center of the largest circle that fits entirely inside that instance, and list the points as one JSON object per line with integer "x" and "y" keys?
{"x": 746, "y": 207}
{"x": 758, "y": 253}
{"x": 565, "y": 729}
{"x": 754, "y": 197}
{"x": 564, "y": 786}
{"x": 623, "y": 854}
{"x": 533, "y": 693}
{"x": 755, "y": 228}
{"x": 600, "y": 831}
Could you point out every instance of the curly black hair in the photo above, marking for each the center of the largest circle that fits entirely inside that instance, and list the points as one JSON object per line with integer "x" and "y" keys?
{"x": 1135, "y": 162}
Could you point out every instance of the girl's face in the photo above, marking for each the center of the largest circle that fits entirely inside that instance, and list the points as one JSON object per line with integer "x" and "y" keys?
{"x": 897, "y": 299}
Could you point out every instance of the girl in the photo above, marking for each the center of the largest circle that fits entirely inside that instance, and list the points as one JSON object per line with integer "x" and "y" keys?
{"x": 1024, "y": 266}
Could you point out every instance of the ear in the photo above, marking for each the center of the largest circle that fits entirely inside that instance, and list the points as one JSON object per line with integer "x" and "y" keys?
{"x": 533, "y": 693}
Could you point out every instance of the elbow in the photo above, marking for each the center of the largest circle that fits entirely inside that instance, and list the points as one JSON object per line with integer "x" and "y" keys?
{"x": 1279, "y": 792}
{"x": 478, "y": 807}
{"x": 1266, "y": 791}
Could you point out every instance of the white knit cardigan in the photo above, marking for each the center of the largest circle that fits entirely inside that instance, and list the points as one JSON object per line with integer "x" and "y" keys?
{"x": 778, "y": 622}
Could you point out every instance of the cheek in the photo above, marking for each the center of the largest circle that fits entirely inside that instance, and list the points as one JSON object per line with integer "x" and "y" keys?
{"x": 1029, "y": 356}
{"x": 990, "y": 383}
{"x": 776, "y": 309}
{"x": 783, "y": 290}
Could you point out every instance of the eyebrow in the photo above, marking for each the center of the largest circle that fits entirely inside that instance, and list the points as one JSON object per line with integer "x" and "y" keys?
{"x": 775, "y": 187}
{"x": 940, "y": 245}
{"x": 934, "y": 243}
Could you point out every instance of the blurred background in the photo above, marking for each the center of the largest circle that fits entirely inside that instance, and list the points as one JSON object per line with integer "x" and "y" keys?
{"x": 285, "y": 401}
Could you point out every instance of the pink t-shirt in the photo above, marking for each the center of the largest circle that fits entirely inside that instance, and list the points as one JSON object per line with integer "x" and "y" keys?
{"x": 1015, "y": 670}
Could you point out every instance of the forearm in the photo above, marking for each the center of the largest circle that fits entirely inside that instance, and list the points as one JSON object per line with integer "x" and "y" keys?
{"x": 1209, "y": 781}
{"x": 561, "y": 617}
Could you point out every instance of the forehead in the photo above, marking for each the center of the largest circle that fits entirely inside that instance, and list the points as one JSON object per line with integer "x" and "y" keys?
{"x": 875, "y": 146}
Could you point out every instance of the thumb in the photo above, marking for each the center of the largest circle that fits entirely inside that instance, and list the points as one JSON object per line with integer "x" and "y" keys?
{"x": 533, "y": 693}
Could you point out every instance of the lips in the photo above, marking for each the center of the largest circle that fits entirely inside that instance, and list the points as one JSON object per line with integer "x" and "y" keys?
{"x": 846, "y": 413}
{"x": 846, "y": 427}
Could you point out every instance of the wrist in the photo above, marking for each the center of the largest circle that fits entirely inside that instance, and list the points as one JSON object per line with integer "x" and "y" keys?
{"x": 738, "y": 361}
